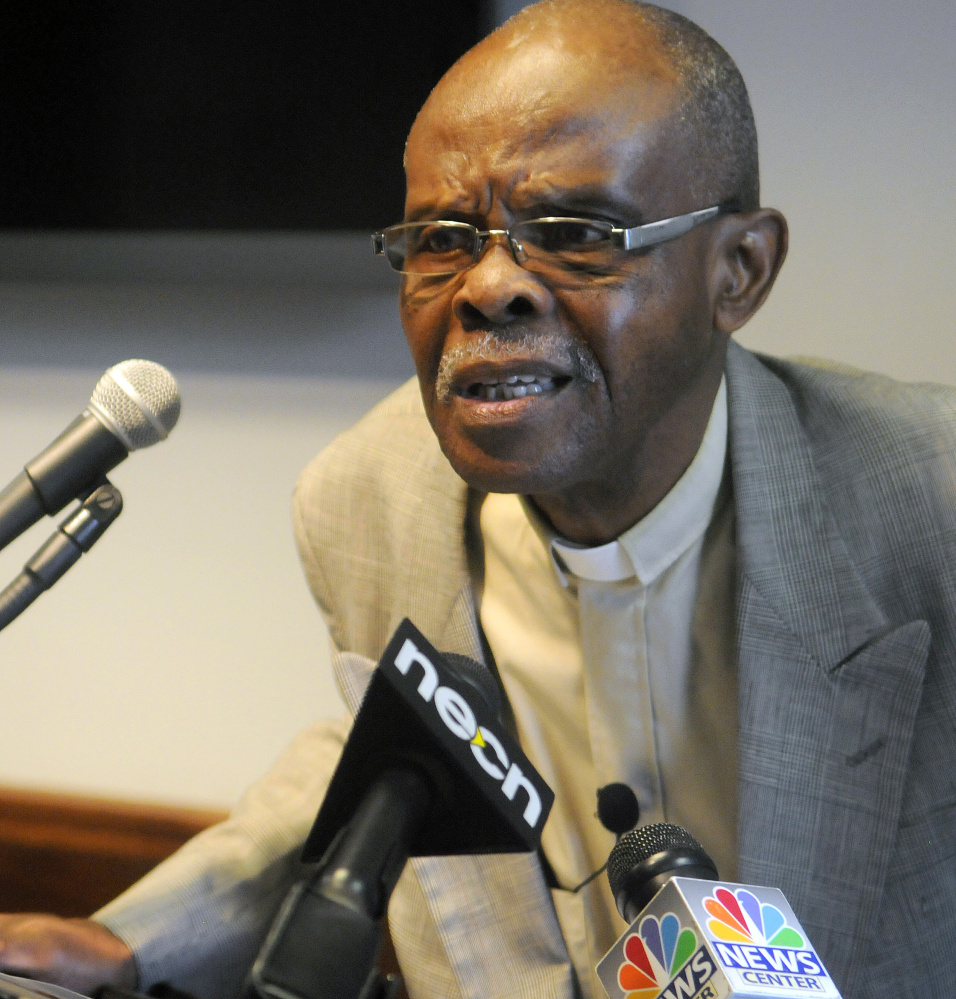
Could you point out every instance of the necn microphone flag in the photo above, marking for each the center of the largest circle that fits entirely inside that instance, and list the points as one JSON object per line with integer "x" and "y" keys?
{"x": 419, "y": 713}
{"x": 712, "y": 940}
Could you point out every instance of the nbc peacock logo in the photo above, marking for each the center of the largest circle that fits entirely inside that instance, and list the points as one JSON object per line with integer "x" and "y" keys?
{"x": 740, "y": 917}
{"x": 654, "y": 955}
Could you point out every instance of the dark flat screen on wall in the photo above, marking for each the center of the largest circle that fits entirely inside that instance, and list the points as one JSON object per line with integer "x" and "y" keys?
{"x": 162, "y": 114}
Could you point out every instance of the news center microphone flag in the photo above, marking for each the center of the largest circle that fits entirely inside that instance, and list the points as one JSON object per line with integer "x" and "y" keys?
{"x": 711, "y": 940}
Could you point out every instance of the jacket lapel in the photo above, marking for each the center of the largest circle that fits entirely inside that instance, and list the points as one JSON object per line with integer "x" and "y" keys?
{"x": 436, "y": 589}
{"x": 829, "y": 687}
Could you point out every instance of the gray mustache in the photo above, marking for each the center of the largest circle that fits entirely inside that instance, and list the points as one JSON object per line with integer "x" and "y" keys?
{"x": 498, "y": 347}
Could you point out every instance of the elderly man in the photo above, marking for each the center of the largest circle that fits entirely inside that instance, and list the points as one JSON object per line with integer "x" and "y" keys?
{"x": 721, "y": 579}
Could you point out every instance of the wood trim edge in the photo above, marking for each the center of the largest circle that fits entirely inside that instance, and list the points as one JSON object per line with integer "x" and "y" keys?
{"x": 70, "y": 854}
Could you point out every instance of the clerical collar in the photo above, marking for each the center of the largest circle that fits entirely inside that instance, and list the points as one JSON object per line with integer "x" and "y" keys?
{"x": 659, "y": 539}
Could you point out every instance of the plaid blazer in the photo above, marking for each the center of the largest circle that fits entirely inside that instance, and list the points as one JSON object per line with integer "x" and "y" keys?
{"x": 845, "y": 497}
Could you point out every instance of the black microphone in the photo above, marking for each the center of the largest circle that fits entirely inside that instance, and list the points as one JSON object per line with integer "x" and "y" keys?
{"x": 134, "y": 405}
{"x": 617, "y": 808}
{"x": 75, "y": 536}
{"x": 645, "y": 859}
{"x": 486, "y": 797}
{"x": 428, "y": 770}
{"x": 692, "y": 935}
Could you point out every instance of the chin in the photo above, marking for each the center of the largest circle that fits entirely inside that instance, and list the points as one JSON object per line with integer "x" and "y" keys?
{"x": 536, "y": 459}
{"x": 495, "y": 480}
{"x": 490, "y": 474}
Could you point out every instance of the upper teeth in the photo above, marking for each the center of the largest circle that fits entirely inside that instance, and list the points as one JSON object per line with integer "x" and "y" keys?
{"x": 512, "y": 387}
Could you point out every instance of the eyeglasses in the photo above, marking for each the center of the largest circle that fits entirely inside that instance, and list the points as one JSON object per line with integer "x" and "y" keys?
{"x": 569, "y": 244}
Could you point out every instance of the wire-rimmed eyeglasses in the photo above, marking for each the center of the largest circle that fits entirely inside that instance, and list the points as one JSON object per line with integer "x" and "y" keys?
{"x": 572, "y": 244}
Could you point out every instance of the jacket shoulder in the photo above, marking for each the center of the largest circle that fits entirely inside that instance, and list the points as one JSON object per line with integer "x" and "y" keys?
{"x": 380, "y": 495}
{"x": 391, "y": 439}
{"x": 884, "y": 452}
{"x": 892, "y": 427}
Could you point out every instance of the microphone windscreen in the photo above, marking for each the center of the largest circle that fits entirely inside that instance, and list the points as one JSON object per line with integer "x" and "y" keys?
{"x": 617, "y": 808}
{"x": 139, "y": 401}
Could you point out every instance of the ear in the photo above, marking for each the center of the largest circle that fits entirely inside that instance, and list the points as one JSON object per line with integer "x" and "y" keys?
{"x": 748, "y": 251}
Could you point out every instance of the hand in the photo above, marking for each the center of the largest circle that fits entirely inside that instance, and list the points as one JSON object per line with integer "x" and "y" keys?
{"x": 77, "y": 953}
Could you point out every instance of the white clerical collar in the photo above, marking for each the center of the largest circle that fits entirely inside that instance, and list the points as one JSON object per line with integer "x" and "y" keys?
{"x": 659, "y": 539}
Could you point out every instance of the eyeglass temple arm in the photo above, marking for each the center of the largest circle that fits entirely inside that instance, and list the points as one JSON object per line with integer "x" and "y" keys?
{"x": 378, "y": 242}
{"x": 642, "y": 236}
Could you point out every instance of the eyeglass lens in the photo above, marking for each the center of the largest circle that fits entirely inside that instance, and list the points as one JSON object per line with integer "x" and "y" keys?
{"x": 448, "y": 247}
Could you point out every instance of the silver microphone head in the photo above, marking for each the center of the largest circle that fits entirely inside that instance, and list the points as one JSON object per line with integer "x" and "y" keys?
{"x": 138, "y": 401}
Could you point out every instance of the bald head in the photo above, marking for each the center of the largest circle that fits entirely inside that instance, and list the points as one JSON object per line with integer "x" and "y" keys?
{"x": 632, "y": 56}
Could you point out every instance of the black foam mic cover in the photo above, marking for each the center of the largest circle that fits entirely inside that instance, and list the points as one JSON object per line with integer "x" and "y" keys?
{"x": 617, "y": 808}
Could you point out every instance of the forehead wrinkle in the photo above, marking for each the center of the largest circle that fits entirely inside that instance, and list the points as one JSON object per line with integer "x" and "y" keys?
{"x": 470, "y": 163}
{"x": 464, "y": 138}
{"x": 455, "y": 181}
{"x": 609, "y": 181}
{"x": 547, "y": 167}
{"x": 545, "y": 93}
{"x": 462, "y": 183}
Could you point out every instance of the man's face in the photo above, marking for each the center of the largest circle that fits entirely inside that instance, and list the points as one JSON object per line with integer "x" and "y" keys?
{"x": 616, "y": 362}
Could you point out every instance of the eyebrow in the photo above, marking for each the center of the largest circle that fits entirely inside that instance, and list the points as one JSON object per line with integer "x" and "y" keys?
{"x": 429, "y": 213}
{"x": 589, "y": 200}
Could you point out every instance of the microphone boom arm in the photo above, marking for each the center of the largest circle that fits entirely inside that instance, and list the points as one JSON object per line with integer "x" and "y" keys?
{"x": 74, "y": 536}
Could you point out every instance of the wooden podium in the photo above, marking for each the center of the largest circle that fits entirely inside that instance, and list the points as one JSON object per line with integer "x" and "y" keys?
{"x": 70, "y": 854}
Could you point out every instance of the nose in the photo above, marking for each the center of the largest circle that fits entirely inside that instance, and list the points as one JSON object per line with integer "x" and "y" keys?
{"x": 497, "y": 291}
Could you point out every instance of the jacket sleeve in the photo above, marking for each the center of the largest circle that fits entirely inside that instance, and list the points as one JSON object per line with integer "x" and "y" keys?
{"x": 198, "y": 919}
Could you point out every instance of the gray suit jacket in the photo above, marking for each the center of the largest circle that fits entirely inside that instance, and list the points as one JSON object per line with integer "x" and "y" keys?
{"x": 845, "y": 496}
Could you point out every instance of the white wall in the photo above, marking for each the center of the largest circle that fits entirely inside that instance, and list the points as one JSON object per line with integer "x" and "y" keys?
{"x": 177, "y": 658}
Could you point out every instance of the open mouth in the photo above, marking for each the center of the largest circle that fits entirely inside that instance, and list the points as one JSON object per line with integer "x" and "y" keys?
{"x": 512, "y": 387}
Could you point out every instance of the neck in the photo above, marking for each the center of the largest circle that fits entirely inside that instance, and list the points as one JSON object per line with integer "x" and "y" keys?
{"x": 599, "y": 510}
